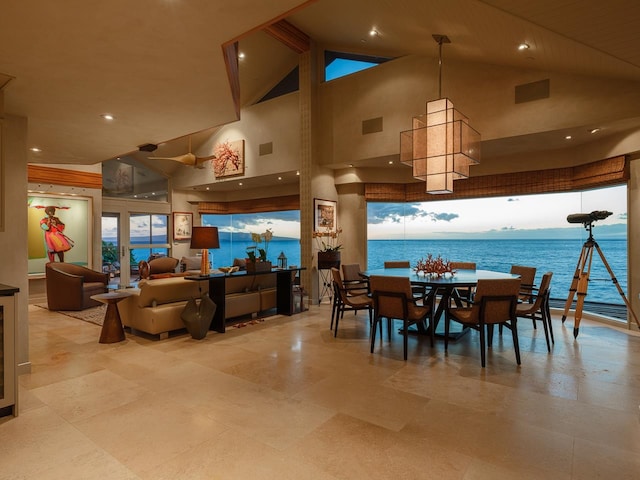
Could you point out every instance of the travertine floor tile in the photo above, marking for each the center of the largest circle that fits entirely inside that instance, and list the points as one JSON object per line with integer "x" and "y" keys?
{"x": 286, "y": 399}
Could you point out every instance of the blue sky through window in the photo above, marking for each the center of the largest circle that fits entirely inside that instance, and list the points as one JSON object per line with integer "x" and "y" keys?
{"x": 341, "y": 67}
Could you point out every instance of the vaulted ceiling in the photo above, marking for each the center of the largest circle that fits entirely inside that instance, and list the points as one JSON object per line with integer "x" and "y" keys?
{"x": 158, "y": 65}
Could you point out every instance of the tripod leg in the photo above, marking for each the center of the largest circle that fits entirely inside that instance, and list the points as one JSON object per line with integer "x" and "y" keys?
{"x": 583, "y": 285}
{"x": 574, "y": 282}
{"x": 615, "y": 282}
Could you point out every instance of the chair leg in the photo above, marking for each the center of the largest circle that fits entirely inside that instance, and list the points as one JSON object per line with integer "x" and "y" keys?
{"x": 338, "y": 316}
{"x": 405, "y": 334}
{"x": 431, "y": 331}
{"x": 514, "y": 333}
{"x": 446, "y": 331}
{"x": 490, "y": 334}
{"x": 373, "y": 331}
{"x": 547, "y": 310}
{"x": 482, "y": 346}
{"x": 546, "y": 329}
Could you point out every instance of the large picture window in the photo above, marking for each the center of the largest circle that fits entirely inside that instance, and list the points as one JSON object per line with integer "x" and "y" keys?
{"x": 235, "y": 235}
{"x": 499, "y": 232}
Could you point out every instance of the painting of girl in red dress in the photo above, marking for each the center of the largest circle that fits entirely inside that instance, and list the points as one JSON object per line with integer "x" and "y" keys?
{"x": 55, "y": 240}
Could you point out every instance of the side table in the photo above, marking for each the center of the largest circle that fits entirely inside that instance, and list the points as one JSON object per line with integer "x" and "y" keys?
{"x": 112, "y": 329}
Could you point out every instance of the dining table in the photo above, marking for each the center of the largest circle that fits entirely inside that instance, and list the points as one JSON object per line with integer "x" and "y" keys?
{"x": 445, "y": 287}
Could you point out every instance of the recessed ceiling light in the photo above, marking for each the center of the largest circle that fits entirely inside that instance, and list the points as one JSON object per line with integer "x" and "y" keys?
{"x": 568, "y": 137}
{"x": 35, "y": 149}
{"x": 373, "y": 32}
{"x": 298, "y": 172}
{"x": 594, "y": 130}
{"x": 390, "y": 162}
{"x": 241, "y": 55}
{"x": 523, "y": 46}
{"x": 279, "y": 178}
{"x": 107, "y": 116}
{"x": 240, "y": 183}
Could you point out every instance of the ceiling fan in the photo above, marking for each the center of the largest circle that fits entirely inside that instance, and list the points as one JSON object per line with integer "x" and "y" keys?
{"x": 187, "y": 158}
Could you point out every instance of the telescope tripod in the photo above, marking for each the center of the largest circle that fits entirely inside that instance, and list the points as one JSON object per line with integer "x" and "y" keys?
{"x": 580, "y": 281}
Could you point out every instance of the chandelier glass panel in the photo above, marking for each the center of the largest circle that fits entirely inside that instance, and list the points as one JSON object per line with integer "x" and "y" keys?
{"x": 441, "y": 146}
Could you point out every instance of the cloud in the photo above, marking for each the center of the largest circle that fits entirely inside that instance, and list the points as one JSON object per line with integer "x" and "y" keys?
{"x": 378, "y": 213}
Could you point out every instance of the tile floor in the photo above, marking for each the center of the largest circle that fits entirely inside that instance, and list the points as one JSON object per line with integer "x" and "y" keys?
{"x": 286, "y": 400}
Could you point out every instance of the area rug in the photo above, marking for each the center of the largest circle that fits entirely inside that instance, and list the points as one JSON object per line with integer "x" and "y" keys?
{"x": 93, "y": 315}
{"x": 253, "y": 321}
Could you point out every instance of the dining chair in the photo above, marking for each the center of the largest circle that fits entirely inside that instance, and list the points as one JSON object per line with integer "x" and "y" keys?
{"x": 342, "y": 301}
{"x": 494, "y": 303}
{"x": 463, "y": 265}
{"x": 419, "y": 292}
{"x": 393, "y": 299}
{"x": 352, "y": 280}
{"x": 465, "y": 294}
{"x": 527, "y": 281}
{"x": 539, "y": 309}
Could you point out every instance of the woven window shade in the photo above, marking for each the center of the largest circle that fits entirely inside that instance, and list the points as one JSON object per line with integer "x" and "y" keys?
{"x": 612, "y": 171}
{"x": 290, "y": 202}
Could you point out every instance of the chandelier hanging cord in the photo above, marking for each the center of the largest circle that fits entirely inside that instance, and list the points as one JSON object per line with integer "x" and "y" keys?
{"x": 440, "y": 39}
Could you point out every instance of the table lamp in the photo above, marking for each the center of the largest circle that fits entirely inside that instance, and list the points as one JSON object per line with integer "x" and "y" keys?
{"x": 205, "y": 238}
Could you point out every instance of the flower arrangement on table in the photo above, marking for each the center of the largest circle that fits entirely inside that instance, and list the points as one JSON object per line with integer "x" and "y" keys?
{"x": 327, "y": 240}
{"x": 434, "y": 266}
{"x": 254, "y": 252}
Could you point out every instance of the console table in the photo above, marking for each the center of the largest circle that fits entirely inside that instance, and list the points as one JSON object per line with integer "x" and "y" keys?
{"x": 218, "y": 291}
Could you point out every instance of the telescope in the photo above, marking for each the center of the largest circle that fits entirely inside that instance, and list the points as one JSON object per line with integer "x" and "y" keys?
{"x": 587, "y": 218}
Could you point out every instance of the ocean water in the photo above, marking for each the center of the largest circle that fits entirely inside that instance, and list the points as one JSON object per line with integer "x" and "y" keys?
{"x": 559, "y": 256}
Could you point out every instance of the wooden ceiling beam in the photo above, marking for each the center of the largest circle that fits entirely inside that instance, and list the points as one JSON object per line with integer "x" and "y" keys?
{"x": 290, "y": 35}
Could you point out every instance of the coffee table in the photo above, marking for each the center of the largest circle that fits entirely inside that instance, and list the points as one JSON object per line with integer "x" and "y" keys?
{"x": 112, "y": 329}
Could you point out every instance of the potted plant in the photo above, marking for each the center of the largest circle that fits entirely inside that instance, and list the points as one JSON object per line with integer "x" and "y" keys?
{"x": 328, "y": 248}
{"x": 257, "y": 256}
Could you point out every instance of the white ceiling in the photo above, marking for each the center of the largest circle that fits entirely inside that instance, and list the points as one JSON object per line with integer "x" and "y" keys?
{"x": 157, "y": 65}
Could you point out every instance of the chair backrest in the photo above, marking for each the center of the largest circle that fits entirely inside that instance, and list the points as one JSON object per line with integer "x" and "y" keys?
{"x": 495, "y": 300}
{"x": 463, "y": 265}
{"x": 390, "y": 295}
{"x": 527, "y": 281}
{"x": 527, "y": 275}
{"x": 351, "y": 272}
{"x": 543, "y": 291}
{"x": 397, "y": 264}
{"x": 337, "y": 281}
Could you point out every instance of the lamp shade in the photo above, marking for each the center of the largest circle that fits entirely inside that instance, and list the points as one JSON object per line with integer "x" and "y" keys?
{"x": 205, "y": 237}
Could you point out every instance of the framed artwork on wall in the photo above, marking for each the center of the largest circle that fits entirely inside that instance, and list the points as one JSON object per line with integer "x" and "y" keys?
{"x": 182, "y": 225}
{"x": 59, "y": 229}
{"x": 229, "y": 159}
{"x": 325, "y": 215}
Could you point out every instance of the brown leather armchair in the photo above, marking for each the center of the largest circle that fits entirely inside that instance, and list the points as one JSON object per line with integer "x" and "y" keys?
{"x": 70, "y": 287}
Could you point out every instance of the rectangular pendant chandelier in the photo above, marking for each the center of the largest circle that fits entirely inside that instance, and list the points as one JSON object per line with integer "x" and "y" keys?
{"x": 440, "y": 147}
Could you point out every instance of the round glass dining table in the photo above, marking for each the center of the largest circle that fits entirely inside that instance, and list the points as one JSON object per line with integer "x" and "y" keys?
{"x": 444, "y": 286}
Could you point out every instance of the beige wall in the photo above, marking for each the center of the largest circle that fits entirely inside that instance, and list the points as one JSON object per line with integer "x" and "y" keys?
{"x": 276, "y": 121}
{"x": 399, "y": 89}
{"x": 12, "y": 240}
